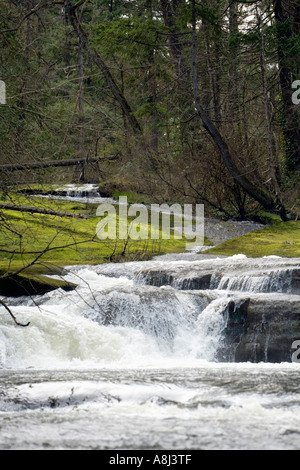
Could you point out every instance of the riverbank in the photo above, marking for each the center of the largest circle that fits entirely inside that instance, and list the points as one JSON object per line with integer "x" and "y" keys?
{"x": 34, "y": 244}
{"x": 276, "y": 239}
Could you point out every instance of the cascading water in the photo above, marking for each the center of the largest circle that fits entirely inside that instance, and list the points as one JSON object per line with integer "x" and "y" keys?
{"x": 173, "y": 309}
{"x": 130, "y": 359}
{"x": 87, "y": 193}
{"x": 107, "y": 320}
{"x": 79, "y": 192}
{"x": 155, "y": 355}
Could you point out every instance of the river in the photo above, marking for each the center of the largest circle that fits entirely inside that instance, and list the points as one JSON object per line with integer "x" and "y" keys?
{"x": 140, "y": 356}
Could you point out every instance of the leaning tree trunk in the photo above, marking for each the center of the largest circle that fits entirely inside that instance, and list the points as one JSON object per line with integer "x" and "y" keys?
{"x": 264, "y": 198}
{"x": 99, "y": 62}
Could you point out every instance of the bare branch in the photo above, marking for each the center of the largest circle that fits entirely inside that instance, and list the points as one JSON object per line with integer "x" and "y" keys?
{"x": 34, "y": 10}
{"x": 12, "y": 315}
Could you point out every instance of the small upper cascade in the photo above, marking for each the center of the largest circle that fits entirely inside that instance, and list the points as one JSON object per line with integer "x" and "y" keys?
{"x": 281, "y": 281}
{"x": 235, "y": 274}
{"x": 84, "y": 191}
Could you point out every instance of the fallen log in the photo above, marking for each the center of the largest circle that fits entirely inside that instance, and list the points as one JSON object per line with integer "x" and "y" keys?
{"x": 53, "y": 163}
{"x": 38, "y": 210}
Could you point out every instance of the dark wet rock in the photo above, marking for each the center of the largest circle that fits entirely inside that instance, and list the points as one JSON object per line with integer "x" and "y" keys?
{"x": 160, "y": 278}
{"x": 19, "y": 286}
{"x": 236, "y": 329}
{"x": 296, "y": 281}
{"x": 261, "y": 329}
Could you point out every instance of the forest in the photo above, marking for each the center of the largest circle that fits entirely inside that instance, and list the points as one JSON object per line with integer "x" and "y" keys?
{"x": 146, "y": 343}
{"x": 195, "y": 99}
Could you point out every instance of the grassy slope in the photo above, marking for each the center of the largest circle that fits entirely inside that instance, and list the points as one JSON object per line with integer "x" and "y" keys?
{"x": 73, "y": 241}
{"x": 68, "y": 241}
{"x": 278, "y": 239}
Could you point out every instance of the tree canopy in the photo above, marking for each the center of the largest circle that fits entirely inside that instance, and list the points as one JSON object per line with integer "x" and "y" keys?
{"x": 195, "y": 97}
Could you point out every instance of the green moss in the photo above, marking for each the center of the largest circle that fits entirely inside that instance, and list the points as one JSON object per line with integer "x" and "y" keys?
{"x": 48, "y": 203}
{"x": 66, "y": 241}
{"x": 279, "y": 239}
{"x": 132, "y": 197}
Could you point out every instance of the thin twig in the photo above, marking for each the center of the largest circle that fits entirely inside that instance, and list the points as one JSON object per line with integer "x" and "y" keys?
{"x": 12, "y": 315}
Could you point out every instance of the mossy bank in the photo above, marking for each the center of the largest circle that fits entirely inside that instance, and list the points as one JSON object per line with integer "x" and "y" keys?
{"x": 276, "y": 239}
{"x": 33, "y": 245}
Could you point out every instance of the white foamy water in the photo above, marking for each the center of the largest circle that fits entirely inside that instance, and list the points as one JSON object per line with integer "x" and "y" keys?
{"x": 110, "y": 322}
{"x": 130, "y": 361}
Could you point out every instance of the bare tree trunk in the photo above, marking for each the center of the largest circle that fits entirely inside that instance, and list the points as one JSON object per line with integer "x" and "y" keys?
{"x": 38, "y": 210}
{"x": 287, "y": 14}
{"x": 182, "y": 70}
{"x": 273, "y": 162}
{"x": 81, "y": 72}
{"x": 264, "y": 198}
{"x": 52, "y": 164}
{"x": 23, "y": 101}
{"x": 96, "y": 58}
{"x": 233, "y": 92}
{"x": 152, "y": 89}
{"x": 213, "y": 82}
{"x": 175, "y": 45}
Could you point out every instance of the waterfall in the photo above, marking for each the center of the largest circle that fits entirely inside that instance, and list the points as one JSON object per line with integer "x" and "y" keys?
{"x": 235, "y": 274}
{"x": 204, "y": 340}
{"x": 109, "y": 321}
{"x": 279, "y": 281}
{"x": 257, "y": 298}
{"x": 149, "y": 312}
{"x": 86, "y": 191}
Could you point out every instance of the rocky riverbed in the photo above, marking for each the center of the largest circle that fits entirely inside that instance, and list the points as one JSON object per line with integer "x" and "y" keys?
{"x": 218, "y": 231}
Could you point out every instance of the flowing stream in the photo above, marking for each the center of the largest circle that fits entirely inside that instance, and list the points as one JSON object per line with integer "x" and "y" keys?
{"x": 141, "y": 356}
